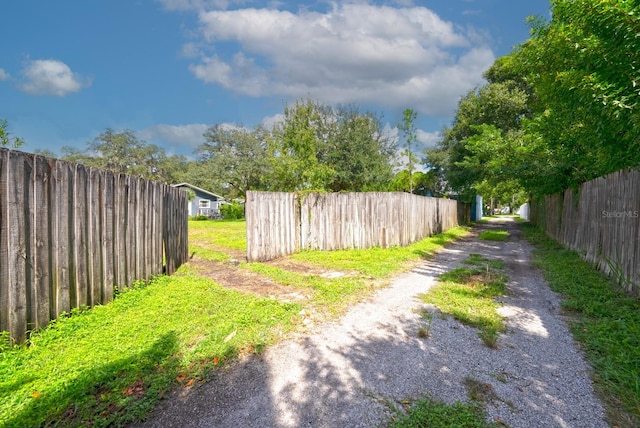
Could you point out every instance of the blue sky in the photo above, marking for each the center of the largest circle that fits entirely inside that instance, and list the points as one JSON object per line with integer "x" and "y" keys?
{"x": 168, "y": 69}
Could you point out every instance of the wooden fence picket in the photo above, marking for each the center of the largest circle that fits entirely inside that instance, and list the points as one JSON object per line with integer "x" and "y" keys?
{"x": 600, "y": 220}
{"x": 71, "y": 234}
{"x": 279, "y": 224}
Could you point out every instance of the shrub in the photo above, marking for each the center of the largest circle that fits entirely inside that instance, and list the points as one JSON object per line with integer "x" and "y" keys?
{"x": 199, "y": 217}
{"x": 232, "y": 211}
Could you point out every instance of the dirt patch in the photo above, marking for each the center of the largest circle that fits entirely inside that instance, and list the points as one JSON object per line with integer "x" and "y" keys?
{"x": 230, "y": 275}
{"x": 352, "y": 371}
{"x": 307, "y": 268}
{"x": 237, "y": 255}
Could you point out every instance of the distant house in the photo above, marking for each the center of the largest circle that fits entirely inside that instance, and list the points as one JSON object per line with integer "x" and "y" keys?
{"x": 204, "y": 202}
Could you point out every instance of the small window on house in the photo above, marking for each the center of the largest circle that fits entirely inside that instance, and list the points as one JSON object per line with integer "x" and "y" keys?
{"x": 204, "y": 203}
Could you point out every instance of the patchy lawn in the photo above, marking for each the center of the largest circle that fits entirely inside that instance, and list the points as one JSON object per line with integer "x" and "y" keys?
{"x": 110, "y": 365}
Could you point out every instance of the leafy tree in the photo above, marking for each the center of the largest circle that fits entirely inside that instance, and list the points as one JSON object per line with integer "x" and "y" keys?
{"x": 232, "y": 211}
{"x": 585, "y": 73}
{"x": 481, "y": 144}
{"x": 199, "y": 174}
{"x": 235, "y": 158}
{"x": 335, "y": 149}
{"x": 359, "y": 152}
{"x": 124, "y": 153}
{"x": 298, "y": 148}
{"x": 424, "y": 183}
{"x": 408, "y": 128}
{"x": 7, "y": 139}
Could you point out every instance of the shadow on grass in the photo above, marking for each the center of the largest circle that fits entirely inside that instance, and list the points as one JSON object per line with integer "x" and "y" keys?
{"x": 117, "y": 392}
{"x": 369, "y": 374}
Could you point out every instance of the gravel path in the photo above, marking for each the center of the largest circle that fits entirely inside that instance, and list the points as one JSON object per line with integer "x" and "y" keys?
{"x": 348, "y": 373}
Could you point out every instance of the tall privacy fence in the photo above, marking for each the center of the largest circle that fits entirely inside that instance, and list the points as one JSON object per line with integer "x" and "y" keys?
{"x": 279, "y": 224}
{"x": 600, "y": 220}
{"x": 71, "y": 234}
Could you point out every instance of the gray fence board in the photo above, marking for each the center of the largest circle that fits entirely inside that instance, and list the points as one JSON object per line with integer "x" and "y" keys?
{"x": 600, "y": 220}
{"x": 279, "y": 224}
{"x": 70, "y": 234}
{"x": 4, "y": 242}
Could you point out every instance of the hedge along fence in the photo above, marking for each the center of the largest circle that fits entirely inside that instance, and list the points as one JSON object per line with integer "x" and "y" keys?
{"x": 280, "y": 224}
{"x": 71, "y": 234}
{"x": 600, "y": 220}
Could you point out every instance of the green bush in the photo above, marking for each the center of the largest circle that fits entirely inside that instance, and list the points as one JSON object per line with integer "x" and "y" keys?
{"x": 232, "y": 211}
{"x": 199, "y": 217}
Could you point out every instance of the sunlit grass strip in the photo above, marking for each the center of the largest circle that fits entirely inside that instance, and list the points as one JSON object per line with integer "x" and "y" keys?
{"x": 378, "y": 262}
{"x": 109, "y": 365}
{"x": 468, "y": 294}
{"x": 434, "y": 414}
{"x": 332, "y": 295}
{"x": 604, "y": 319}
{"x": 230, "y": 234}
{"x": 209, "y": 254}
{"x": 494, "y": 235}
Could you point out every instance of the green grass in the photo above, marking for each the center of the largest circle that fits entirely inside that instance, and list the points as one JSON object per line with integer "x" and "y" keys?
{"x": 209, "y": 239}
{"x": 605, "y": 321}
{"x": 468, "y": 294}
{"x": 378, "y": 262}
{"x": 336, "y": 294}
{"x": 110, "y": 364}
{"x": 494, "y": 235}
{"x": 434, "y": 414}
{"x": 478, "y": 260}
{"x": 332, "y": 295}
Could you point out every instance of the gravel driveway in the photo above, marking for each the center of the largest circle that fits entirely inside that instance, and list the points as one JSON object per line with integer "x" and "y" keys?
{"x": 350, "y": 371}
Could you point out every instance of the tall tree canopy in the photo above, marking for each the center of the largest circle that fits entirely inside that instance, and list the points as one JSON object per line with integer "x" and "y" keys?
{"x": 561, "y": 109}
{"x": 234, "y": 159}
{"x": 471, "y": 151}
{"x": 122, "y": 152}
{"x": 585, "y": 69}
{"x": 335, "y": 149}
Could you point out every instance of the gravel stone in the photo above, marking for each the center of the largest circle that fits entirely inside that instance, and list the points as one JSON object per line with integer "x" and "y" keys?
{"x": 351, "y": 372}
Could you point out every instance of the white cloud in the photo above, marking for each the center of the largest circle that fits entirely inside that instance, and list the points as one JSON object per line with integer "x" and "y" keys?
{"x": 356, "y": 52}
{"x": 183, "y": 135}
{"x": 198, "y": 4}
{"x": 4, "y": 75}
{"x": 427, "y": 140}
{"x": 51, "y": 77}
{"x": 190, "y": 50}
{"x": 270, "y": 121}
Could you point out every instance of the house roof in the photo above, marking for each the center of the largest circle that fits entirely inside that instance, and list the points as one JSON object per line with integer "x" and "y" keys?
{"x": 191, "y": 186}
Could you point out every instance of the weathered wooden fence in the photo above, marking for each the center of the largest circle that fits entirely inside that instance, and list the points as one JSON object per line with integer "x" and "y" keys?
{"x": 600, "y": 220}
{"x": 279, "y": 224}
{"x": 70, "y": 234}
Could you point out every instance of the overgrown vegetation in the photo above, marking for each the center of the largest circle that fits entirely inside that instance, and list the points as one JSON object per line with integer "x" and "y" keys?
{"x": 494, "y": 235}
{"x": 378, "y": 262}
{"x": 468, "y": 294}
{"x": 109, "y": 365}
{"x": 435, "y": 414}
{"x": 604, "y": 320}
{"x": 7, "y": 139}
{"x": 559, "y": 110}
{"x": 363, "y": 269}
{"x": 232, "y": 211}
